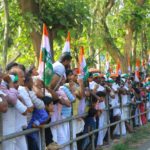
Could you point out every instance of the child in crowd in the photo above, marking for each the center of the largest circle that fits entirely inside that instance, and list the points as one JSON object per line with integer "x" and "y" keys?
{"x": 90, "y": 124}
{"x": 40, "y": 117}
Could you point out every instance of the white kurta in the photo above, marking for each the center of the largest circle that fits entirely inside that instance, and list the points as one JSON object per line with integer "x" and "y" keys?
{"x": 102, "y": 123}
{"x": 9, "y": 123}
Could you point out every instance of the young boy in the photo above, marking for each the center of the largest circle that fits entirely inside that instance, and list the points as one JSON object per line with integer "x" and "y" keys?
{"x": 102, "y": 118}
{"x": 90, "y": 124}
{"x": 40, "y": 117}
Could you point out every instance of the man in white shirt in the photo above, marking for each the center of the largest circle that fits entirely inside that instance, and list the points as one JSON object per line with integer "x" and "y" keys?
{"x": 59, "y": 68}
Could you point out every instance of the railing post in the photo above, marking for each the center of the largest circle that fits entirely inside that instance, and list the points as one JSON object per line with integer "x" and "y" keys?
{"x": 93, "y": 142}
{"x": 108, "y": 120}
{"x": 130, "y": 114}
{"x": 42, "y": 138}
{"x": 1, "y": 129}
{"x": 146, "y": 109}
{"x": 120, "y": 124}
{"x": 71, "y": 133}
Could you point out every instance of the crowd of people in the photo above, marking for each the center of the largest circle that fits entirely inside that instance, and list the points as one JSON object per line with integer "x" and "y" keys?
{"x": 25, "y": 102}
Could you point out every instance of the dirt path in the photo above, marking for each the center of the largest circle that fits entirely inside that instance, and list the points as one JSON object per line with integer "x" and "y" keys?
{"x": 145, "y": 146}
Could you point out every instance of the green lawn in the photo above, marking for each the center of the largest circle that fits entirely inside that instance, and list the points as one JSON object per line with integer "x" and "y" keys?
{"x": 135, "y": 140}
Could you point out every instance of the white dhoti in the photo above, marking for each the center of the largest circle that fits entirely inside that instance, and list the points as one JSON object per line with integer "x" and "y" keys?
{"x": 123, "y": 127}
{"x": 102, "y": 123}
{"x": 63, "y": 134}
{"x": 21, "y": 121}
{"x": 8, "y": 128}
{"x": 78, "y": 126}
{"x": 148, "y": 108}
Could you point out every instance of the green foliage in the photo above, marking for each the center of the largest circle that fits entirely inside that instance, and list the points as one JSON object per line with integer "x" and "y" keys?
{"x": 83, "y": 18}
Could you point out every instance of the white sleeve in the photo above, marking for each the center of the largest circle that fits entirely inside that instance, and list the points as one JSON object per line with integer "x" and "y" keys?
{"x": 115, "y": 88}
{"x": 92, "y": 85}
{"x": 26, "y": 98}
{"x": 20, "y": 106}
{"x": 38, "y": 103}
{"x": 59, "y": 69}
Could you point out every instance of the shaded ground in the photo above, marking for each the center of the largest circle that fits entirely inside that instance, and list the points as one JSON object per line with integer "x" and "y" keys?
{"x": 140, "y": 140}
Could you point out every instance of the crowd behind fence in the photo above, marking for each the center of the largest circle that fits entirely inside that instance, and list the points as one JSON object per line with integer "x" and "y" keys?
{"x": 69, "y": 111}
{"x": 70, "y": 119}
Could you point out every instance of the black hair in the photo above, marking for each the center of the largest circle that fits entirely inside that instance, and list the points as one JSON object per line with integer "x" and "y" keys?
{"x": 101, "y": 94}
{"x": 30, "y": 69}
{"x": 47, "y": 100}
{"x": 27, "y": 78}
{"x": 94, "y": 99}
{"x": 92, "y": 112}
{"x": 68, "y": 72}
{"x": 65, "y": 56}
{"x": 22, "y": 67}
{"x": 11, "y": 65}
{"x": 137, "y": 91}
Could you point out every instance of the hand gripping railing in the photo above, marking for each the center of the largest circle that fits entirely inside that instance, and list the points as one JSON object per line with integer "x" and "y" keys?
{"x": 70, "y": 120}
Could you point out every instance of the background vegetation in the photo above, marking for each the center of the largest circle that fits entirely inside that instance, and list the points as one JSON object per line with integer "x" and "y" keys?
{"x": 119, "y": 27}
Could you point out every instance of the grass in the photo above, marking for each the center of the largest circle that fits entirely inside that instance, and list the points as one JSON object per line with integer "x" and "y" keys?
{"x": 133, "y": 141}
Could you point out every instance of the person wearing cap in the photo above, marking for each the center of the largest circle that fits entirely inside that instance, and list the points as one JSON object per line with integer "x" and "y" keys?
{"x": 95, "y": 84}
{"x": 114, "y": 102}
{"x": 124, "y": 91}
{"x": 9, "y": 118}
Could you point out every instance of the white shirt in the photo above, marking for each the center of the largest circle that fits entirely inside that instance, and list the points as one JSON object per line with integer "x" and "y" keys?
{"x": 25, "y": 95}
{"x": 59, "y": 68}
{"x": 93, "y": 84}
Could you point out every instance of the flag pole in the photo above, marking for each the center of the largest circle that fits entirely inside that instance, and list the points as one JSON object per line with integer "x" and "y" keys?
{"x": 44, "y": 75}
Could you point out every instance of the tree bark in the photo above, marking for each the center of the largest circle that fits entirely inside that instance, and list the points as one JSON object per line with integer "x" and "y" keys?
{"x": 6, "y": 33}
{"x": 109, "y": 43}
{"x": 127, "y": 46}
{"x": 32, "y": 7}
{"x": 134, "y": 49}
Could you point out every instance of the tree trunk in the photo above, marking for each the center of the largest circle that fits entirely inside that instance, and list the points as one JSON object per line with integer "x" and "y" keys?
{"x": 134, "y": 50}
{"x": 127, "y": 46}
{"x": 144, "y": 45}
{"x": 6, "y": 33}
{"x": 109, "y": 43}
{"x": 32, "y": 7}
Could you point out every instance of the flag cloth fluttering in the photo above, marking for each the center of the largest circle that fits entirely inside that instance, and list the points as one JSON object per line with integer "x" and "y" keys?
{"x": 83, "y": 70}
{"x": 137, "y": 73}
{"x": 118, "y": 68}
{"x": 129, "y": 66}
{"x": 66, "y": 48}
{"x": 45, "y": 68}
{"x": 143, "y": 65}
{"x": 107, "y": 69}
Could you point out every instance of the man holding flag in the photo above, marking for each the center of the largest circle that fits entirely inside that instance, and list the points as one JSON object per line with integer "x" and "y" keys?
{"x": 61, "y": 65}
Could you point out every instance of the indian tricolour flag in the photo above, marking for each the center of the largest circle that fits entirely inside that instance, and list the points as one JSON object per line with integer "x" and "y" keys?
{"x": 45, "y": 69}
{"x": 83, "y": 70}
{"x": 67, "y": 44}
{"x": 137, "y": 72}
{"x": 107, "y": 66}
{"x": 129, "y": 66}
{"x": 118, "y": 68}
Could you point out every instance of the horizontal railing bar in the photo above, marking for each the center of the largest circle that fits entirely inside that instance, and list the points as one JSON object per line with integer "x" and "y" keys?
{"x": 28, "y": 131}
{"x": 97, "y": 130}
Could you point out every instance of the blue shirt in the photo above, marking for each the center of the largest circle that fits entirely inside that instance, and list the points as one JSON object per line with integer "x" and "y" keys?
{"x": 39, "y": 116}
{"x": 90, "y": 122}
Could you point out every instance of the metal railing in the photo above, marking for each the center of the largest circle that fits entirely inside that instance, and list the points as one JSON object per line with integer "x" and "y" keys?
{"x": 70, "y": 120}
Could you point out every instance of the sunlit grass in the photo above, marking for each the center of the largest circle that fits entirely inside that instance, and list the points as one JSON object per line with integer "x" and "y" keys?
{"x": 133, "y": 141}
